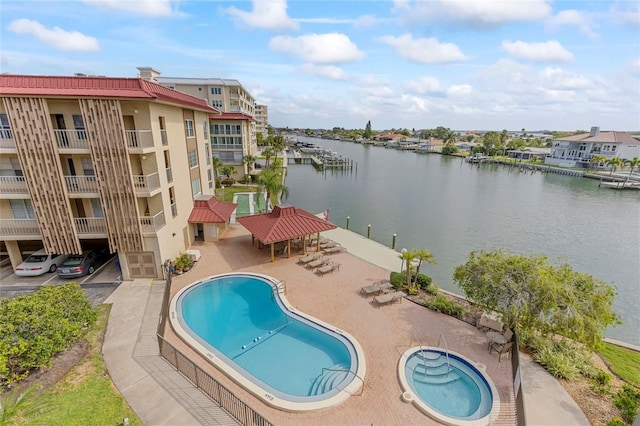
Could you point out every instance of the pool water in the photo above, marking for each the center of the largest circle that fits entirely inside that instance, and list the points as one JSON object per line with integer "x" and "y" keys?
{"x": 241, "y": 319}
{"x": 449, "y": 388}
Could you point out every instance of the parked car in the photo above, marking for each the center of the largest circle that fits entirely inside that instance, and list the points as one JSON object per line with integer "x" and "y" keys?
{"x": 77, "y": 265}
{"x": 39, "y": 263}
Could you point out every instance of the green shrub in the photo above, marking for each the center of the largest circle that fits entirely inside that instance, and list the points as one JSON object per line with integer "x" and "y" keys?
{"x": 557, "y": 363}
{"x": 35, "y": 327}
{"x": 628, "y": 401}
{"x": 600, "y": 382}
{"x": 446, "y": 306}
{"x": 397, "y": 279}
{"x": 616, "y": 421}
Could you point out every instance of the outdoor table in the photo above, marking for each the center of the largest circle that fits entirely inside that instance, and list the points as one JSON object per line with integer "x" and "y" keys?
{"x": 496, "y": 337}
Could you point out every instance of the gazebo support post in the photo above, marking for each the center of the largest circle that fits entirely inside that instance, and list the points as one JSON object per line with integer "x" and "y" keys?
{"x": 273, "y": 257}
{"x": 289, "y": 249}
{"x": 253, "y": 239}
{"x": 304, "y": 245}
{"x": 318, "y": 242}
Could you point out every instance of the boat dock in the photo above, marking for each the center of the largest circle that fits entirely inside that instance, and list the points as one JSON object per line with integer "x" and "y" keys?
{"x": 319, "y": 157}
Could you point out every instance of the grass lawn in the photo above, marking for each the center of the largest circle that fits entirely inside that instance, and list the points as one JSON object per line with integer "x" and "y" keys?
{"x": 623, "y": 362}
{"x": 86, "y": 395}
{"x": 226, "y": 194}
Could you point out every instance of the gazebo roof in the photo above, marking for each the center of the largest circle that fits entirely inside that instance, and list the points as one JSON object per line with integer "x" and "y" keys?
{"x": 207, "y": 209}
{"x": 284, "y": 223}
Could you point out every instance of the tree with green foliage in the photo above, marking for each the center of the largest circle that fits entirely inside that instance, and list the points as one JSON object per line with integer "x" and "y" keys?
{"x": 532, "y": 295}
{"x": 408, "y": 256}
{"x": 451, "y": 139}
{"x": 367, "y": 131}
{"x": 632, "y": 164}
{"x": 598, "y": 160}
{"x": 268, "y": 153}
{"x": 614, "y": 163}
{"x": 516, "y": 144}
{"x": 279, "y": 144}
{"x": 26, "y": 403}
{"x": 492, "y": 143}
{"x": 271, "y": 182}
{"x": 260, "y": 139}
{"x": 449, "y": 149}
{"x": 250, "y": 161}
{"x": 216, "y": 165}
{"x": 423, "y": 256}
{"x": 227, "y": 171}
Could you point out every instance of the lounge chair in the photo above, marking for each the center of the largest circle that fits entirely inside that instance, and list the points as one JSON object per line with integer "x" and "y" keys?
{"x": 328, "y": 268}
{"x": 315, "y": 263}
{"x": 308, "y": 258}
{"x": 328, "y": 244}
{"x": 336, "y": 249}
{"x": 387, "y": 299}
{"x": 376, "y": 288}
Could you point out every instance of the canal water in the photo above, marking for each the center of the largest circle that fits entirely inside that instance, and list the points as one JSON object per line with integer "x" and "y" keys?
{"x": 450, "y": 208}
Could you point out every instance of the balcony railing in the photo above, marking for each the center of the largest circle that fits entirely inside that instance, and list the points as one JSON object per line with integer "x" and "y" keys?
{"x": 174, "y": 210}
{"x": 19, "y": 228}
{"x": 13, "y": 185}
{"x": 152, "y": 223}
{"x": 90, "y": 225}
{"x": 226, "y": 146}
{"x": 6, "y": 139}
{"x": 169, "y": 175}
{"x": 146, "y": 183}
{"x": 163, "y": 136}
{"x": 139, "y": 138}
{"x": 81, "y": 184}
{"x": 71, "y": 139}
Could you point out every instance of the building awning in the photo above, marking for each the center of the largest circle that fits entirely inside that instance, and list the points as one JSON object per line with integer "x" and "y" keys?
{"x": 207, "y": 209}
{"x": 284, "y": 223}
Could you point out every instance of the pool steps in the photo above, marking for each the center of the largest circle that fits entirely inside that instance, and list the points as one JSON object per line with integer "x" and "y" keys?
{"x": 329, "y": 380}
{"x": 434, "y": 370}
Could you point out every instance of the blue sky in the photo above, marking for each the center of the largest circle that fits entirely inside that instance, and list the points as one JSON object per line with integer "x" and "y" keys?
{"x": 463, "y": 64}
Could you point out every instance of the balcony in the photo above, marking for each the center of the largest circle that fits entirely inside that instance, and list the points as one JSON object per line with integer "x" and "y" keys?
{"x": 81, "y": 185}
{"x": 139, "y": 140}
{"x": 151, "y": 224}
{"x": 16, "y": 229}
{"x": 71, "y": 139}
{"x": 94, "y": 226}
{"x": 13, "y": 185}
{"x": 146, "y": 184}
{"x": 6, "y": 140}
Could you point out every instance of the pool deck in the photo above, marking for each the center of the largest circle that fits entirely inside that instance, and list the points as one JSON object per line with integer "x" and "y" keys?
{"x": 130, "y": 347}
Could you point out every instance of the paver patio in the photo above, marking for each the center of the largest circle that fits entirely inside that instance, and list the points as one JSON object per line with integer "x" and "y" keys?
{"x": 383, "y": 333}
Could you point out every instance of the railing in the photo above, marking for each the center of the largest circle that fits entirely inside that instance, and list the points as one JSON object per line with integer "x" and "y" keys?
{"x": 90, "y": 225}
{"x": 81, "y": 184}
{"x": 71, "y": 139}
{"x": 345, "y": 371}
{"x": 281, "y": 286}
{"x": 424, "y": 361}
{"x": 174, "y": 210}
{"x": 139, "y": 138}
{"x": 13, "y": 185}
{"x": 146, "y": 183}
{"x": 226, "y": 146}
{"x": 19, "y": 227}
{"x": 163, "y": 137}
{"x": 446, "y": 347}
{"x": 6, "y": 139}
{"x": 169, "y": 175}
{"x": 152, "y": 223}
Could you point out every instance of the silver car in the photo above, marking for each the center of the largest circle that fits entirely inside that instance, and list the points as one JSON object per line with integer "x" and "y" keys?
{"x": 39, "y": 263}
{"x": 78, "y": 265}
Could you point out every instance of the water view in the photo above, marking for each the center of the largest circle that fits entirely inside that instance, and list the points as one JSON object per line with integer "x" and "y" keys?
{"x": 449, "y": 207}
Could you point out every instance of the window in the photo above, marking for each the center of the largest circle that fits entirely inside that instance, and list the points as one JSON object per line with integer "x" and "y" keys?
{"x": 195, "y": 187}
{"x": 22, "y": 209}
{"x": 87, "y": 167}
{"x": 5, "y": 129}
{"x": 193, "y": 158}
{"x": 96, "y": 207}
{"x": 229, "y": 156}
{"x": 188, "y": 126}
{"x": 78, "y": 124}
{"x": 210, "y": 178}
{"x": 217, "y": 104}
{"x": 216, "y": 91}
{"x": 207, "y": 153}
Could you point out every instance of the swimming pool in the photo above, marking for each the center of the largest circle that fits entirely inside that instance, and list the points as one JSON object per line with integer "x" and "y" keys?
{"x": 245, "y": 327}
{"x": 449, "y": 389}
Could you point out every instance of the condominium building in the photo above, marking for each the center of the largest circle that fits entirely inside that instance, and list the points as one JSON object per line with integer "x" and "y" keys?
{"x": 96, "y": 160}
{"x": 262, "y": 120}
{"x": 233, "y": 132}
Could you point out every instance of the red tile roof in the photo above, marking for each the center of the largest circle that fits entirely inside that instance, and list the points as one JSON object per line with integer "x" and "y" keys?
{"x": 602, "y": 137}
{"x": 211, "y": 211}
{"x": 231, "y": 116}
{"x": 108, "y": 87}
{"x": 284, "y": 223}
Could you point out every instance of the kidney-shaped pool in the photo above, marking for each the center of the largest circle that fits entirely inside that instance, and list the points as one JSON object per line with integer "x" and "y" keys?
{"x": 244, "y": 326}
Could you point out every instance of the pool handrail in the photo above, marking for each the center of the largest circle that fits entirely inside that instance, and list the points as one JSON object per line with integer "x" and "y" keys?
{"x": 346, "y": 371}
{"x": 446, "y": 350}
{"x": 424, "y": 361}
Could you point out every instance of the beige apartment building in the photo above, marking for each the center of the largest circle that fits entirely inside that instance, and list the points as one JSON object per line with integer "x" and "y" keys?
{"x": 88, "y": 161}
{"x": 233, "y": 132}
{"x": 262, "y": 120}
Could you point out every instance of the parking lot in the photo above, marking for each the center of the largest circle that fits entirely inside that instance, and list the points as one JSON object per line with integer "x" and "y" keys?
{"x": 97, "y": 286}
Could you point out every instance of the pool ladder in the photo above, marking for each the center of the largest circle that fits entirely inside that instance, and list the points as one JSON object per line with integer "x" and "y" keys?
{"x": 446, "y": 347}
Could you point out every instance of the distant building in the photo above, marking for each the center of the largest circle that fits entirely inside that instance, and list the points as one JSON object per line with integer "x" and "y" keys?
{"x": 233, "y": 133}
{"x": 98, "y": 161}
{"x": 577, "y": 150}
{"x": 262, "y": 120}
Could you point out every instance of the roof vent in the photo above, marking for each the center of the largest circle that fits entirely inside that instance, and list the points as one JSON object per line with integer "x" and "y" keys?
{"x": 594, "y": 131}
{"x": 80, "y": 74}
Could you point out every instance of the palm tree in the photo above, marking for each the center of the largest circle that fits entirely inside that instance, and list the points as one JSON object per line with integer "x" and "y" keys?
{"x": 268, "y": 153}
{"x": 271, "y": 182}
{"x": 614, "y": 162}
{"x": 216, "y": 165}
{"x": 228, "y": 171}
{"x": 408, "y": 256}
{"x": 450, "y": 139}
{"x": 597, "y": 160}
{"x": 26, "y": 403}
{"x": 633, "y": 164}
{"x": 423, "y": 256}
{"x": 250, "y": 161}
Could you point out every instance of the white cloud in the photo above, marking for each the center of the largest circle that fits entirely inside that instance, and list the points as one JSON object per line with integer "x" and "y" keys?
{"x": 369, "y": 21}
{"x": 626, "y": 13}
{"x": 460, "y": 90}
{"x": 318, "y": 48}
{"x": 424, "y": 50}
{"x": 425, "y": 85}
{"x": 266, "y": 15}
{"x": 550, "y": 51}
{"x": 579, "y": 19}
{"x": 477, "y": 13}
{"x": 55, "y": 37}
{"x": 327, "y": 71}
{"x": 157, "y": 8}
{"x": 560, "y": 79}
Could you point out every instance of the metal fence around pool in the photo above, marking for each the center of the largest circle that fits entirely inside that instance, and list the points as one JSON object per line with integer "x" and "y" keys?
{"x": 200, "y": 378}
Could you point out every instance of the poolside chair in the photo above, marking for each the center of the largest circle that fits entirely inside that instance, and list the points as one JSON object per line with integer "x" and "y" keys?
{"x": 316, "y": 263}
{"x": 336, "y": 249}
{"x": 328, "y": 244}
{"x": 387, "y": 299}
{"x": 376, "y": 288}
{"x": 501, "y": 349}
{"x": 328, "y": 268}
{"x": 308, "y": 258}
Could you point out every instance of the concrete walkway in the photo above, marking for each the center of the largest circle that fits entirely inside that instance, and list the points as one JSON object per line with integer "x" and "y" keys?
{"x": 161, "y": 396}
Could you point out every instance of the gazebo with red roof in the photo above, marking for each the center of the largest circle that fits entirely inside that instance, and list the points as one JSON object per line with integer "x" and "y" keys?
{"x": 212, "y": 214}
{"x": 284, "y": 224}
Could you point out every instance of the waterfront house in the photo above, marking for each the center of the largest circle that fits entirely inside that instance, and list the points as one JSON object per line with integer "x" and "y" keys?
{"x": 577, "y": 150}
